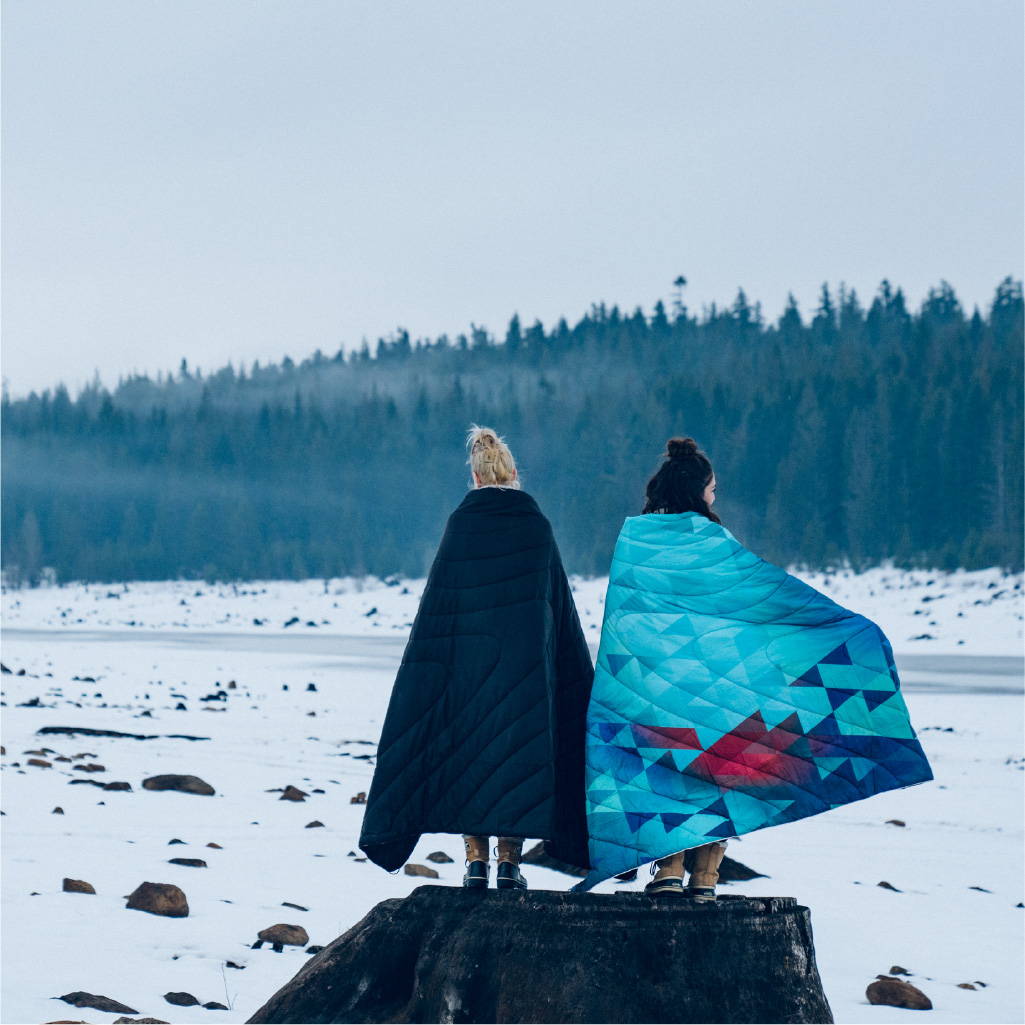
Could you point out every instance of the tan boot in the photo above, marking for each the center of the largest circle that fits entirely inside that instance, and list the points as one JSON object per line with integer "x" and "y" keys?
{"x": 508, "y": 875}
{"x": 705, "y": 873}
{"x": 477, "y": 867}
{"x": 668, "y": 875}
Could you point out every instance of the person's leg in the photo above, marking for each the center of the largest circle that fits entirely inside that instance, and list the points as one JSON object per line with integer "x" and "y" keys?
{"x": 668, "y": 875}
{"x": 508, "y": 875}
{"x": 705, "y": 873}
{"x": 477, "y": 867}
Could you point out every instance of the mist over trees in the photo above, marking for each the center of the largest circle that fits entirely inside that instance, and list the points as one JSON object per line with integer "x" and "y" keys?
{"x": 860, "y": 434}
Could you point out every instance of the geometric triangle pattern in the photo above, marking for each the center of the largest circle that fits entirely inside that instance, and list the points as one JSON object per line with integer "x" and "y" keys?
{"x": 729, "y": 696}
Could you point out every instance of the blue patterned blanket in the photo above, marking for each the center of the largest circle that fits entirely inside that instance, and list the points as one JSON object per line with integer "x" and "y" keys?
{"x": 729, "y": 696}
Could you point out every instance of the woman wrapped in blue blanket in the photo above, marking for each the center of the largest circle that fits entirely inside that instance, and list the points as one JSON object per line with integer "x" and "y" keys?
{"x": 728, "y": 695}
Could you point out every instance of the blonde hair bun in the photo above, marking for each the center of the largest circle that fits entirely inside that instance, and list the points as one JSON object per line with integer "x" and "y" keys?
{"x": 490, "y": 458}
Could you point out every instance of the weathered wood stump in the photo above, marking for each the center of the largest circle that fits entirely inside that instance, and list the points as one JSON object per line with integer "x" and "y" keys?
{"x": 444, "y": 954}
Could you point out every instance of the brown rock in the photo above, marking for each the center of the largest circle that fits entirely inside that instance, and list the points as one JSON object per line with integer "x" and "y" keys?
{"x": 186, "y": 784}
{"x": 897, "y": 970}
{"x": 216, "y": 846}
{"x": 139, "y": 1021}
{"x": 440, "y": 858}
{"x": 291, "y": 793}
{"x": 41, "y": 762}
{"x": 159, "y": 899}
{"x": 100, "y": 1003}
{"x": 896, "y": 822}
{"x": 888, "y": 886}
{"x": 90, "y": 767}
{"x": 76, "y": 886}
{"x": 897, "y": 993}
{"x": 360, "y": 798}
{"x": 420, "y": 870}
{"x": 965, "y": 985}
{"x": 293, "y": 935}
{"x": 187, "y": 862}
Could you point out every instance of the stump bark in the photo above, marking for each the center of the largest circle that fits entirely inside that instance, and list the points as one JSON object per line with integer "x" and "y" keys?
{"x": 445, "y": 954}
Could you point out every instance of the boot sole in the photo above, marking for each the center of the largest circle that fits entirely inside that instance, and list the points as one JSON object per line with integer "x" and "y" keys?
{"x": 509, "y": 884}
{"x": 475, "y": 884}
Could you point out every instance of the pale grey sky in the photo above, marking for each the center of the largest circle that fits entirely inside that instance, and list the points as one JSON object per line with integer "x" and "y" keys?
{"x": 241, "y": 179}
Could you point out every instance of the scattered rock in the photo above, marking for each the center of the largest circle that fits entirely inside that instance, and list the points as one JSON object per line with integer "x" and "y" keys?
{"x": 360, "y": 798}
{"x": 291, "y": 793}
{"x": 97, "y": 1002}
{"x": 420, "y": 870}
{"x": 897, "y": 993}
{"x": 187, "y": 862}
{"x": 896, "y": 822}
{"x": 897, "y": 970}
{"x": 315, "y": 949}
{"x": 311, "y": 686}
{"x": 57, "y": 811}
{"x": 215, "y": 846}
{"x": 232, "y": 964}
{"x": 174, "y": 841}
{"x": 538, "y": 855}
{"x": 440, "y": 858}
{"x": 965, "y": 985}
{"x": 92, "y": 767}
{"x": 888, "y": 886}
{"x": 76, "y": 886}
{"x": 292, "y": 935}
{"x": 101, "y": 784}
{"x": 41, "y": 762}
{"x": 181, "y": 999}
{"x": 315, "y": 824}
{"x": 212, "y": 1005}
{"x": 981, "y": 889}
{"x": 139, "y": 1021}
{"x": 185, "y": 784}
{"x": 90, "y": 732}
{"x": 289, "y": 904}
{"x": 159, "y": 899}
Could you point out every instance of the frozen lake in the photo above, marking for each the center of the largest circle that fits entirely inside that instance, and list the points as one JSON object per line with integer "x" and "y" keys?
{"x": 939, "y": 673}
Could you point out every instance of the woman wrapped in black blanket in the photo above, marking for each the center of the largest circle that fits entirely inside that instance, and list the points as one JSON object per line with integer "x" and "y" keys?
{"x": 485, "y": 728}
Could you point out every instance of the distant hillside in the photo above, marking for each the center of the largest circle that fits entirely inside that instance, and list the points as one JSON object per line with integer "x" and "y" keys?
{"x": 860, "y": 434}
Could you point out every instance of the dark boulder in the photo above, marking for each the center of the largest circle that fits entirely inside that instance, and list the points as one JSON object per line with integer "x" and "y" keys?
{"x": 96, "y": 1001}
{"x": 159, "y": 899}
{"x": 186, "y": 784}
{"x": 445, "y": 954}
{"x": 897, "y": 993}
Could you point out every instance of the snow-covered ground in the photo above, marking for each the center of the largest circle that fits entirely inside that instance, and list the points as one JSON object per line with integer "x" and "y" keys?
{"x": 80, "y": 657}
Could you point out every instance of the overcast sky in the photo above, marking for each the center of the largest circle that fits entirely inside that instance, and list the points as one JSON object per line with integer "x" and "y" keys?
{"x": 240, "y": 180}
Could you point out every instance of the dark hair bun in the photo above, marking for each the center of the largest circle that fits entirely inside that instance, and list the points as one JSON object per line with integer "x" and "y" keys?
{"x": 681, "y": 448}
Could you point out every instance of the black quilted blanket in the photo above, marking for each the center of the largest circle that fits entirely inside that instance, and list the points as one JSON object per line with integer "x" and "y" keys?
{"x": 485, "y": 727}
